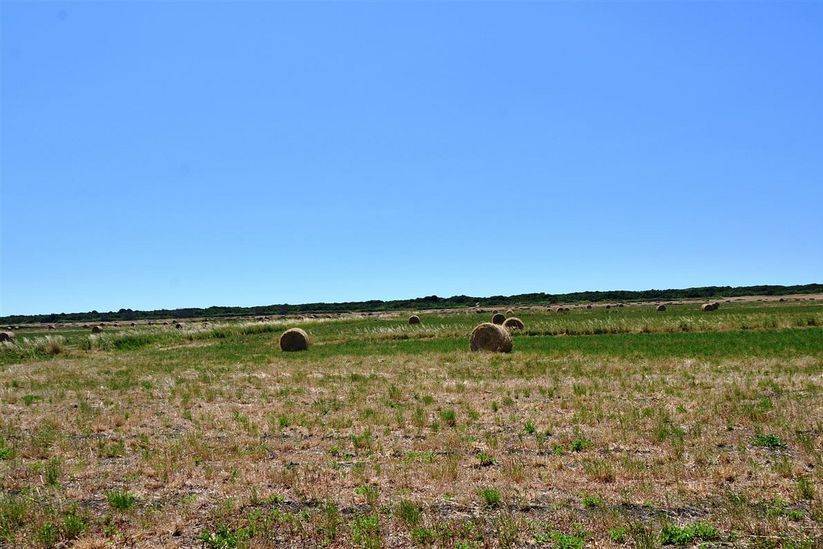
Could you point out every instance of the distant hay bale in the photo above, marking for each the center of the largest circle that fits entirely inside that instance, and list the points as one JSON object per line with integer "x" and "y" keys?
{"x": 134, "y": 324}
{"x": 178, "y": 326}
{"x": 661, "y": 308}
{"x": 608, "y": 306}
{"x": 498, "y": 318}
{"x": 491, "y": 337}
{"x": 589, "y": 306}
{"x": 6, "y": 336}
{"x": 51, "y": 326}
{"x": 96, "y": 329}
{"x": 513, "y": 323}
{"x": 709, "y": 307}
{"x": 414, "y": 319}
{"x": 619, "y": 304}
{"x": 509, "y": 313}
{"x": 294, "y": 339}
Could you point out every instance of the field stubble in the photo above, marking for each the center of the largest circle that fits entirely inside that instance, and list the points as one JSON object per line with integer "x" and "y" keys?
{"x": 619, "y": 427}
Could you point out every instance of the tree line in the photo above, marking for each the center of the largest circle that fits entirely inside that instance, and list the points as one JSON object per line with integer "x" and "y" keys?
{"x": 422, "y": 303}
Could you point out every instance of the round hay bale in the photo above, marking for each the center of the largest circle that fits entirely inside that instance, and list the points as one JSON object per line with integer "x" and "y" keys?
{"x": 708, "y": 307}
{"x": 608, "y": 306}
{"x": 6, "y": 336}
{"x": 491, "y": 337}
{"x": 96, "y": 329}
{"x": 178, "y": 326}
{"x": 513, "y": 323}
{"x": 414, "y": 319}
{"x": 498, "y": 318}
{"x": 619, "y": 304}
{"x": 509, "y": 313}
{"x": 294, "y": 339}
{"x": 133, "y": 324}
{"x": 51, "y": 326}
{"x": 589, "y": 306}
{"x": 661, "y": 308}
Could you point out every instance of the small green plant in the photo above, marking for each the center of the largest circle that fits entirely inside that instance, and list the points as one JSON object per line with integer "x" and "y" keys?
{"x": 449, "y": 417}
{"x": 120, "y": 500}
{"x": 47, "y": 534}
{"x": 490, "y": 497}
{"x": 579, "y": 444}
{"x": 529, "y": 428}
{"x": 222, "y": 538}
{"x": 768, "y": 441}
{"x": 52, "y": 471}
{"x": 805, "y": 489}
{"x": 592, "y": 502}
{"x": 485, "y": 459}
{"x": 329, "y": 520}
{"x": 363, "y": 440}
{"x": 28, "y": 400}
{"x": 423, "y": 536}
{"x": 369, "y": 492}
{"x": 408, "y": 512}
{"x": 73, "y": 525}
{"x": 5, "y": 451}
{"x": 697, "y": 531}
{"x": 560, "y": 540}
{"x": 618, "y": 535}
{"x": 365, "y": 531}
{"x": 112, "y": 449}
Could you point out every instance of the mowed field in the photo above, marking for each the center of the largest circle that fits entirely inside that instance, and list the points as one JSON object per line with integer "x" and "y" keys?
{"x": 619, "y": 427}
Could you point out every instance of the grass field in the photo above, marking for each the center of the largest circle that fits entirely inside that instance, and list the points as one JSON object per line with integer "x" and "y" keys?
{"x": 603, "y": 428}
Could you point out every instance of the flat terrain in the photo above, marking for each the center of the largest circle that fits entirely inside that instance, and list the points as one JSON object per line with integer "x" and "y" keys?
{"x": 610, "y": 427}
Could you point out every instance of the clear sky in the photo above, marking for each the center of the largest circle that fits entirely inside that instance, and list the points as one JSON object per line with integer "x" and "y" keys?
{"x": 194, "y": 154}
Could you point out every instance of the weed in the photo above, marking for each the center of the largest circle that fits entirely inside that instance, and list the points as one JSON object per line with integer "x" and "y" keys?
{"x": 697, "y": 531}
{"x": 490, "y": 497}
{"x": 120, "y": 500}
{"x": 408, "y": 512}
{"x": 768, "y": 441}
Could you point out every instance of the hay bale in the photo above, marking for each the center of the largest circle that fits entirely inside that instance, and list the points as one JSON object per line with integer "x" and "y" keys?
{"x": 509, "y": 313}
{"x": 709, "y": 307}
{"x": 414, "y": 319}
{"x": 608, "y": 306}
{"x": 178, "y": 326}
{"x": 661, "y": 308}
{"x": 491, "y": 337}
{"x": 133, "y": 324}
{"x": 51, "y": 326}
{"x": 589, "y": 306}
{"x": 6, "y": 336}
{"x": 513, "y": 323}
{"x": 294, "y": 339}
{"x": 96, "y": 329}
{"x": 498, "y": 318}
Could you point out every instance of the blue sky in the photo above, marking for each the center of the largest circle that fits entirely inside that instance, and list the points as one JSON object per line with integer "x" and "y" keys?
{"x": 193, "y": 154}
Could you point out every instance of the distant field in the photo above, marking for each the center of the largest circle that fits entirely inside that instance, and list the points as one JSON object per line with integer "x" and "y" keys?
{"x": 619, "y": 427}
